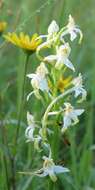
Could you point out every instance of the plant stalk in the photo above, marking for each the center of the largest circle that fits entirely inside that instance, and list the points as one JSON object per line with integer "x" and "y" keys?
{"x": 53, "y": 103}
{"x": 4, "y": 157}
{"x": 22, "y": 99}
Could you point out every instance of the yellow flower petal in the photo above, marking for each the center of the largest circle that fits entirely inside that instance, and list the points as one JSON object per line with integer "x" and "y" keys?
{"x": 15, "y": 39}
{"x": 24, "y": 41}
{"x": 34, "y": 37}
{"x": 27, "y": 39}
{"x": 63, "y": 83}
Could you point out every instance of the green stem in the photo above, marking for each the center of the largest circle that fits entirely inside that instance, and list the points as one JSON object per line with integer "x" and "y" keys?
{"x": 52, "y": 185}
{"x": 52, "y": 104}
{"x": 19, "y": 121}
{"x": 6, "y": 172}
{"x": 4, "y": 156}
{"x": 21, "y": 99}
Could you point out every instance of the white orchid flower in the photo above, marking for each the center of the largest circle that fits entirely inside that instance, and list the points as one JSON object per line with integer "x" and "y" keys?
{"x": 30, "y": 128}
{"x": 53, "y": 29}
{"x": 29, "y": 132}
{"x": 38, "y": 80}
{"x": 61, "y": 58}
{"x": 50, "y": 169}
{"x": 52, "y": 32}
{"x": 79, "y": 90}
{"x": 72, "y": 29}
{"x": 70, "y": 116}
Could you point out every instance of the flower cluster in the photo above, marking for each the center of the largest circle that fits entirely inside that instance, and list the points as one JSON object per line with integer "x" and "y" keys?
{"x": 52, "y": 81}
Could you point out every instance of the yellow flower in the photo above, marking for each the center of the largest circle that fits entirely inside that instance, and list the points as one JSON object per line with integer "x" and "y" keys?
{"x": 2, "y": 26}
{"x": 24, "y": 41}
{"x": 63, "y": 83}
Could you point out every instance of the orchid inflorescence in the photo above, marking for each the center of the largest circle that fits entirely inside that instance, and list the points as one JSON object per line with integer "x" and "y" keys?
{"x": 51, "y": 85}
{"x": 50, "y": 79}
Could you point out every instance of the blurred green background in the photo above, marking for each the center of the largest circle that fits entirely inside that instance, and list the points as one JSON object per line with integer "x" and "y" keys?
{"x": 34, "y": 16}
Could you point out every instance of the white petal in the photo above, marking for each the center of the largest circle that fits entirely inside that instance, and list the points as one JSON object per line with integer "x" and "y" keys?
{"x": 31, "y": 76}
{"x": 67, "y": 121}
{"x": 73, "y": 35}
{"x": 35, "y": 82}
{"x": 79, "y": 111}
{"x": 84, "y": 93}
{"x": 53, "y": 27}
{"x": 69, "y": 64}
{"x": 60, "y": 169}
{"x": 41, "y": 36}
{"x": 83, "y": 97}
{"x": 29, "y": 133}
{"x": 30, "y": 119}
{"x": 78, "y": 81}
{"x": 52, "y": 175}
{"x": 74, "y": 117}
{"x": 43, "y": 85}
{"x": 71, "y": 23}
{"x": 64, "y": 50}
{"x": 50, "y": 58}
{"x": 80, "y": 33}
{"x": 77, "y": 92}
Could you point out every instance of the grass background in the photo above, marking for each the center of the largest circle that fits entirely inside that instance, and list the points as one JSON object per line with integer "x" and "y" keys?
{"x": 34, "y": 16}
